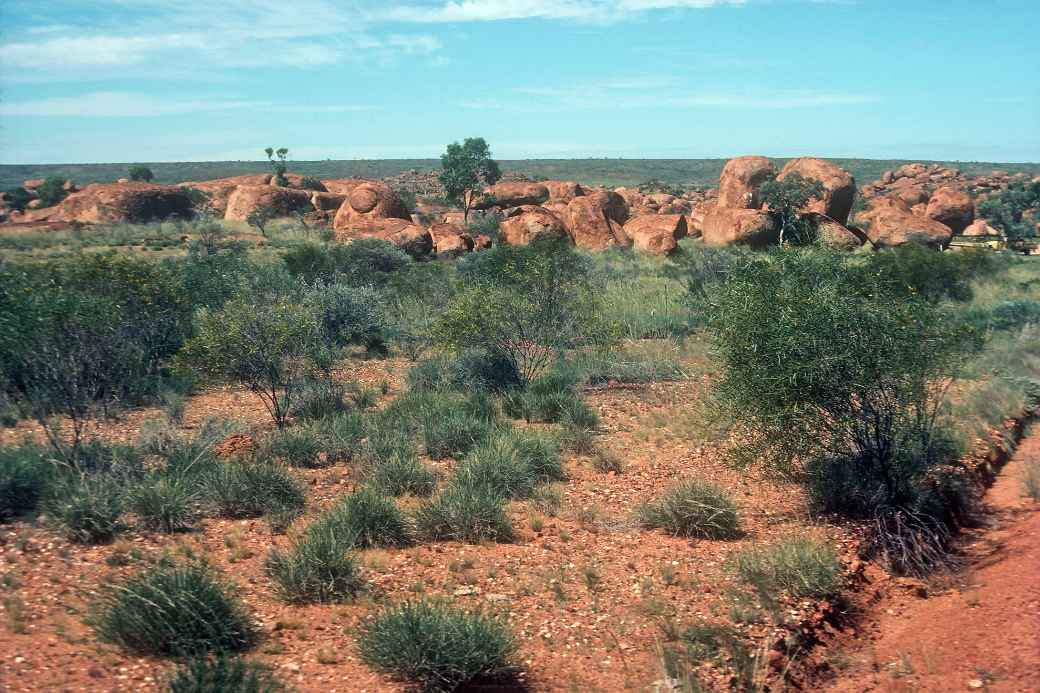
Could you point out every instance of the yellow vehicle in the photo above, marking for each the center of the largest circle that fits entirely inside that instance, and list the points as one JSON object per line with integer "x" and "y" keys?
{"x": 991, "y": 242}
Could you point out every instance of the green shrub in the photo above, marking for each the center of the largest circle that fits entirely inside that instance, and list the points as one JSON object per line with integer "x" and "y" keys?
{"x": 1014, "y": 314}
{"x": 470, "y": 514}
{"x": 318, "y": 568}
{"x": 252, "y": 489}
{"x": 468, "y": 371}
{"x": 401, "y": 473}
{"x": 140, "y": 172}
{"x": 799, "y": 567}
{"x": 224, "y": 674}
{"x": 342, "y": 436}
{"x": 835, "y": 374}
{"x": 365, "y": 262}
{"x": 450, "y": 424}
{"x": 52, "y": 191}
{"x": 437, "y": 647}
{"x": 495, "y": 469}
{"x": 539, "y": 453}
{"x": 321, "y": 399}
{"x": 25, "y": 477}
{"x": 692, "y": 509}
{"x": 89, "y": 509}
{"x": 175, "y": 610}
{"x": 164, "y": 503}
{"x": 366, "y": 519}
{"x": 349, "y": 315}
{"x": 296, "y": 447}
{"x": 527, "y": 305}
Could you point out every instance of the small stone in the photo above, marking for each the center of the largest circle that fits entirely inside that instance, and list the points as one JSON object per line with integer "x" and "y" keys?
{"x": 976, "y": 683}
{"x": 293, "y": 667}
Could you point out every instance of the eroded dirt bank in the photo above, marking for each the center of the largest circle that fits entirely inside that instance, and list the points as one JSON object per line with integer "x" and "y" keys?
{"x": 980, "y": 632}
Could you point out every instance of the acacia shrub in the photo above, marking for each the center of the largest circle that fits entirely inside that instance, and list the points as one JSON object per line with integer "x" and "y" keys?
{"x": 839, "y": 382}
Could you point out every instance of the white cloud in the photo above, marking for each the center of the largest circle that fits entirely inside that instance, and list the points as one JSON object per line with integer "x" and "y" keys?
{"x": 119, "y": 104}
{"x": 499, "y": 10}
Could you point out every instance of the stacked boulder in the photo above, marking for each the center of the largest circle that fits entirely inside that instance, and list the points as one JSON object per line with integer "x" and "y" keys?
{"x": 736, "y": 217}
{"x": 373, "y": 209}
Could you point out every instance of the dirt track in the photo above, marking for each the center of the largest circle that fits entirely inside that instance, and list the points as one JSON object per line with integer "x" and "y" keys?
{"x": 983, "y": 633}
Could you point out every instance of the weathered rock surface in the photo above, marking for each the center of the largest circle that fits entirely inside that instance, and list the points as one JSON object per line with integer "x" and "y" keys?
{"x": 657, "y": 234}
{"x": 979, "y": 227}
{"x": 838, "y": 184}
{"x": 513, "y": 195}
{"x": 327, "y": 201}
{"x": 342, "y": 186}
{"x": 563, "y": 190}
{"x": 369, "y": 201}
{"x": 595, "y": 220}
{"x": 529, "y": 223}
{"x": 740, "y": 182}
{"x": 836, "y": 235}
{"x": 103, "y": 203}
{"x": 282, "y": 201}
{"x": 890, "y": 226}
{"x": 450, "y": 240}
{"x": 413, "y": 239}
{"x": 723, "y": 226}
{"x": 219, "y": 191}
{"x": 951, "y": 206}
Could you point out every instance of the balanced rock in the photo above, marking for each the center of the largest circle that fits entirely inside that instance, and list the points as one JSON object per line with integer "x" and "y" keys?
{"x": 657, "y": 234}
{"x": 450, "y": 240}
{"x": 740, "y": 182}
{"x": 839, "y": 187}
{"x": 529, "y": 223}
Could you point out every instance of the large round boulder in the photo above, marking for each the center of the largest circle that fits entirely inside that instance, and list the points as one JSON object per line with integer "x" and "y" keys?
{"x": 952, "y": 207}
{"x": 656, "y": 234}
{"x": 740, "y": 182}
{"x": 369, "y": 201}
{"x": 833, "y": 234}
{"x": 411, "y": 238}
{"x": 282, "y": 202}
{"x": 450, "y": 240}
{"x": 512, "y": 195}
{"x": 563, "y": 190}
{"x": 724, "y": 226}
{"x": 529, "y": 223}
{"x": 839, "y": 187}
{"x": 219, "y": 190}
{"x": 891, "y": 227}
{"x": 595, "y": 221}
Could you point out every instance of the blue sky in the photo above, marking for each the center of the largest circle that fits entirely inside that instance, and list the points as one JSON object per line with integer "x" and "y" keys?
{"x": 177, "y": 80}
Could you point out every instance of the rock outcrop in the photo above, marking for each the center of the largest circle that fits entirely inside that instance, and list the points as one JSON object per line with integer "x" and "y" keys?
{"x": 106, "y": 203}
{"x": 450, "y": 240}
{"x": 979, "y": 227}
{"x": 595, "y": 220}
{"x": 724, "y": 226}
{"x": 740, "y": 182}
{"x": 282, "y": 201}
{"x": 951, "y": 206}
{"x": 657, "y": 234}
{"x": 219, "y": 191}
{"x": 342, "y": 186}
{"x": 369, "y": 201}
{"x": 528, "y": 223}
{"x": 413, "y": 239}
{"x": 563, "y": 190}
{"x": 839, "y": 187}
{"x": 891, "y": 223}
{"x": 505, "y": 195}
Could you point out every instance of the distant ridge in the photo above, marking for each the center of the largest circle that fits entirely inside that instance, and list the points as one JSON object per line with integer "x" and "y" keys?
{"x": 612, "y": 172}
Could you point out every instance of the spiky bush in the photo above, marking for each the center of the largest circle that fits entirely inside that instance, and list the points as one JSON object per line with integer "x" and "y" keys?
{"x": 692, "y": 509}
{"x": 437, "y": 647}
{"x": 342, "y": 436}
{"x": 365, "y": 519}
{"x": 164, "y": 503}
{"x": 318, "y": 568}
{"x": 174, "y": 609}
{"x": 88, "y": 510}
{"x": 296, "y": 447}
{"x": 251, "y": 489}
{"x": 800, "y": 567}
{"x": 465, "y": 513}
{"x": 402, "y": 473}
{"x": 25, "y": 476}
{"x": 224, "y": 674}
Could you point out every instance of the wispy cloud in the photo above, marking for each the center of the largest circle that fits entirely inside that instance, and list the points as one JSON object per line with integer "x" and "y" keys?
{"x": 654, "y": 92}
{"x": 120, "y": 104}
{"x": 500, "y": 10}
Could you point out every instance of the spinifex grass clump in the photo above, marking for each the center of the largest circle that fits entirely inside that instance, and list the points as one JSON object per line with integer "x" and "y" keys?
{"x": 252, "y": 489}
{"x": 437, "y": 647}
{"x": 224, "y": 674}
{"x": 693, "y": 509}
{"x": 365, "y": 519}
{"x": 800, "y": 567}
{"x": 318, "y": 568}
{"x": 164, "y": 503}
{"x": 174, "y": 609}
{"x": 88, "y": 510}
{"x": 25, "y": 476}
{"x": 466, "y": 513}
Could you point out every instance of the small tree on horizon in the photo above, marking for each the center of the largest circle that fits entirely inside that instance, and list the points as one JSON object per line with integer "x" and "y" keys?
{"x": 466, "y": 169}
{"x": 278, "y": 165}
{"x": 141, "y": 172}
